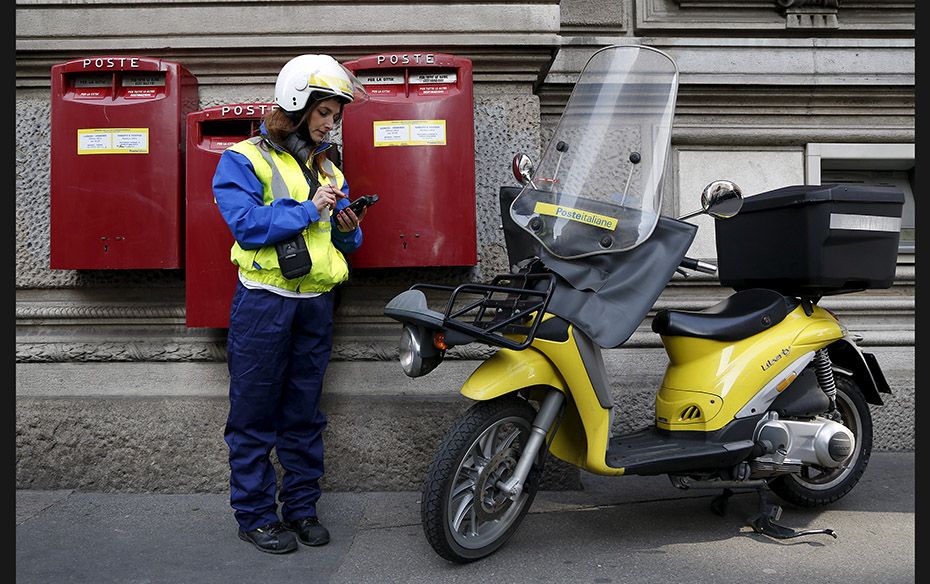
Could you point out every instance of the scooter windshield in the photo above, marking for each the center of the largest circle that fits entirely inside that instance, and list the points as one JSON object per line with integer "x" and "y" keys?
{"x": 597, "y": 188}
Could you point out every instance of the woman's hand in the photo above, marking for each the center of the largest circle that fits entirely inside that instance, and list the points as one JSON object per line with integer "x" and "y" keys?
{"x": 326, "y": 197}
{"x": 347, "y": 220}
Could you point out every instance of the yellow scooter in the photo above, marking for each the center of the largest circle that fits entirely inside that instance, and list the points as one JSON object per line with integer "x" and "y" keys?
{"x": 765, "y": 391}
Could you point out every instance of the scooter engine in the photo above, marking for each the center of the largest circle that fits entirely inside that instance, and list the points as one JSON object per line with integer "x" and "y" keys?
{"x": 792, "y": 443}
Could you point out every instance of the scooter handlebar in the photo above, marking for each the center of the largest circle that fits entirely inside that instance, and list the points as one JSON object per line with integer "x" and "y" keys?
{"x": 698, "y": 266}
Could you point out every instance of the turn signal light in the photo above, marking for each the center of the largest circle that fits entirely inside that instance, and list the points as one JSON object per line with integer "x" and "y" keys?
{"x": 439, "y": 341}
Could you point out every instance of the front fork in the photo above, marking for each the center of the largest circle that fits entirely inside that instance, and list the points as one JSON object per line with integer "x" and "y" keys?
{"x": 549, "y": 409}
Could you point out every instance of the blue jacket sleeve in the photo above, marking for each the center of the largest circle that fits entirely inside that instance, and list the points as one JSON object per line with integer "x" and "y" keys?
{"x": 351, "y": 240}
{"x": 238, "y": 194}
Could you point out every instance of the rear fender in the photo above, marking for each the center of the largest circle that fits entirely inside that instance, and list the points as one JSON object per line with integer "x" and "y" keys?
{"x": 864, "y": 367}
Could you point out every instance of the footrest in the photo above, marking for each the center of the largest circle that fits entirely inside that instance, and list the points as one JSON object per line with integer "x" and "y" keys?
{"x": 650, "y": 452}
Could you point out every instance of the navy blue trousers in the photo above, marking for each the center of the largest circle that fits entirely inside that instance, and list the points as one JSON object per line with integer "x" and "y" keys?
{"x": 278, "y": 349}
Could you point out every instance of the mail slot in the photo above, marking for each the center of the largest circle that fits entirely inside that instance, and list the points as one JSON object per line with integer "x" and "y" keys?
{"x": 117, "y": 162}
{"x": 210, "y": 278}
{"x": 413, "y": 144}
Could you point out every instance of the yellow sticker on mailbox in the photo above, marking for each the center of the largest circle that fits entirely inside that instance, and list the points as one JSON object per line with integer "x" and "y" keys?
{"x": 113, "y": 141}
{"x": 410, "y": 133}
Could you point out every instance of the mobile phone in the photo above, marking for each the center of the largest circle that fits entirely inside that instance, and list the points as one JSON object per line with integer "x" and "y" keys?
{"x": 362, "y": 202}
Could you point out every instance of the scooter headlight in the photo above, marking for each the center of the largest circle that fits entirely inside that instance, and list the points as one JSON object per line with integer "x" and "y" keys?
{"x": 416, "y": 353}
{"x": 409, "y": 351}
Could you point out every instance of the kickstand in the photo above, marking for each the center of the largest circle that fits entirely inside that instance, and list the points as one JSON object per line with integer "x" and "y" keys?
{"x": 719, "y": 503}
{"x": 764, "y": 521}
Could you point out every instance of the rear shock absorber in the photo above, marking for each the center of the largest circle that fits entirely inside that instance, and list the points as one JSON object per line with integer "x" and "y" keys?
{"x": 824, "y": 371}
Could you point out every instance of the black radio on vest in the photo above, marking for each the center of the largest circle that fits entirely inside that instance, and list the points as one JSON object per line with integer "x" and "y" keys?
{"x": 293, "y": 257}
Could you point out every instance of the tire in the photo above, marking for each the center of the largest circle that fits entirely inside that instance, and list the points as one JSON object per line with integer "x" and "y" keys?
{"x": 457, "y": 528}
{"x": 807, "y": 489}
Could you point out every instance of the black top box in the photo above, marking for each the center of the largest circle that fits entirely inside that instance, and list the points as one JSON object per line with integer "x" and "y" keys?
{"x": 812, "y": 240}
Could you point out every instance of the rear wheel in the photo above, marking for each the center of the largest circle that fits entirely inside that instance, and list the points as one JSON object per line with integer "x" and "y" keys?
{"x": 465, "y": 515}
{"x": 815, "y": 486}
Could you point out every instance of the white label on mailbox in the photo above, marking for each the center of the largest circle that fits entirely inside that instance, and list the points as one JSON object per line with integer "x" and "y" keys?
{"x": 132, "y": 140}
{"x": 410, "y": 133}
{"x": 93, "y": 80}
{"x": 432, "y": 133}
{"x": 423, "y": 78}
{"x": 392, "y": 133}
{"x": 92, "y": 142}
{"x": 113, "y": 141}
{"x": 143, "y": 80}
{"x": 381, "y": 79}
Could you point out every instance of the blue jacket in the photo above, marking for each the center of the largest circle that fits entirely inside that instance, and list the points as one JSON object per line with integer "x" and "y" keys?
{"x": 238, "y": 194}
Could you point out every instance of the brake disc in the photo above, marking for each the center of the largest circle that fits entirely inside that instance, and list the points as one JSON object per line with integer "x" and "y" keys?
{"x": 490, "y": 502}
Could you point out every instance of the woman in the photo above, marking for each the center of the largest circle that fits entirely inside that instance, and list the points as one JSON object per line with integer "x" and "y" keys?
{"x": 285, "y": 202}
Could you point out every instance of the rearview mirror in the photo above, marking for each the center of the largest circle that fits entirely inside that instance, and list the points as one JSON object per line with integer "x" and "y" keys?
{"x": 522, "y": 168}
{"x": 722, "y": 199}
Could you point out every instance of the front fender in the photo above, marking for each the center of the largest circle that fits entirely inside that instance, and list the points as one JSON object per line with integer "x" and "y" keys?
{"x": 508, "y": 371}
{"x": 847, "y": 355}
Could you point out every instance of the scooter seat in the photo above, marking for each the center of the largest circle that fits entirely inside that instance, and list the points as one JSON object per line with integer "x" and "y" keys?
{"x": 742, "y": 315}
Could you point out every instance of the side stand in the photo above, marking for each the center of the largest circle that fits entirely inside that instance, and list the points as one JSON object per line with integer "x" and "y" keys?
{"x": 764, "y": 521}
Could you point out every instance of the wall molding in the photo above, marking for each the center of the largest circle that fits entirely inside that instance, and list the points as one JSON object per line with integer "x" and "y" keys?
{"x": 883, "y": 17}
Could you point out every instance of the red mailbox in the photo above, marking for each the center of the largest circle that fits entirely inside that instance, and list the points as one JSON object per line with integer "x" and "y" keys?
{"x": 116, "y": 179}
{"x": 210, "y": 279}
{"x": 413, "y": 144}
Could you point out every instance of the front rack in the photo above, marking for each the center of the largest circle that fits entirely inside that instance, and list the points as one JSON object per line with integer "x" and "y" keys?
{"x": 505, "y": 306}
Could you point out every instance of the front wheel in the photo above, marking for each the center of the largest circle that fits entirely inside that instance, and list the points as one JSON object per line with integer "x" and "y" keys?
{"x": 465, "y": 515}
{"x": 814, "y": 486}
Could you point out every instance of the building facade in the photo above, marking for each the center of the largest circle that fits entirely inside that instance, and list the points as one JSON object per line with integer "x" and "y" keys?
{"x": 114, "y": 392}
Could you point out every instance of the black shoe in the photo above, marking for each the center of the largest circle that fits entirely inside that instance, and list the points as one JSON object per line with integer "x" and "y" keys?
{"x": 271, "y": 538}
{"x": 309, "y": 531}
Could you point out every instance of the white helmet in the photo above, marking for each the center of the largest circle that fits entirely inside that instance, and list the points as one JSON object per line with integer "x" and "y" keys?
{"x": 316, "y": 76}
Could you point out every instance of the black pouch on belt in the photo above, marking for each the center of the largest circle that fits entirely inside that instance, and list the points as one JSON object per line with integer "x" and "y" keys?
{"x": 293, "y": 257}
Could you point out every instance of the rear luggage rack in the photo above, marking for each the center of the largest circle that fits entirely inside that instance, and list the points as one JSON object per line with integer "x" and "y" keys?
{"x": 505, "y": 306}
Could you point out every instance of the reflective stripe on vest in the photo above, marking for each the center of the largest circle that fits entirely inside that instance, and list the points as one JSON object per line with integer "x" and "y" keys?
{"x": 281, "y": 177}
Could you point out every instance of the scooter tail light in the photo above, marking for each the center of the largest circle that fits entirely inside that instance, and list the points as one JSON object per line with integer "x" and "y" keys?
{"x": 843, "y": 328}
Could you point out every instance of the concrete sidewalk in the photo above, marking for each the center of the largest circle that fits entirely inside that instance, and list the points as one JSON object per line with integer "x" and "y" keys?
{"x": 625, "y": 529}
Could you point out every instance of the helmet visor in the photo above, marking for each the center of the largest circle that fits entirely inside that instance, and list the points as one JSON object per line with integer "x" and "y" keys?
{"x": 344, "y": 85}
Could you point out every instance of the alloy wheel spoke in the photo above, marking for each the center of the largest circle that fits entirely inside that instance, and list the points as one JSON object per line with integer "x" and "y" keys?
{"x": 486, "y": 442}
{"x": 477, "y": 457}
{"x": 468, "y": 472}
{"x": 473, "y": 517}
{"x": 465, "y": 508}
{"x": 466, "y": 485}
{"x": 508, "y": 440}
{"x": 470, "y": 463}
